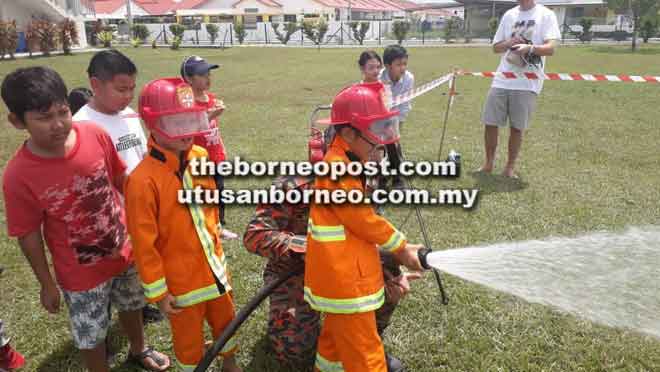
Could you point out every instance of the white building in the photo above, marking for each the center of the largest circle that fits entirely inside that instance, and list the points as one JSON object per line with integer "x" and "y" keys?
{"x": 24, "y": 11}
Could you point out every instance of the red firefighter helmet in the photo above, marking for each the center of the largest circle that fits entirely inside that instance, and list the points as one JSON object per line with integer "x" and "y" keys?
{"x": 168, "y": 107}
{"x": 363, "y": 106}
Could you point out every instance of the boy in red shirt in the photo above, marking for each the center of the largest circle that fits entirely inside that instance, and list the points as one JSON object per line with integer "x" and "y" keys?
{"x": 197, "y": 72}
{"x": 65, "y": 180}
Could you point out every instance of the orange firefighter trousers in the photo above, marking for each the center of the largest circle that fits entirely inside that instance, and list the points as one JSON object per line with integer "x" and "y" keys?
{"x": 350, "y": 341}
{"x": 188, "y": 329}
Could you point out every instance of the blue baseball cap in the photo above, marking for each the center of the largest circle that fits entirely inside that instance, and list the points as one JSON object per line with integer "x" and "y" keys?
{"x": 195, "y": 65}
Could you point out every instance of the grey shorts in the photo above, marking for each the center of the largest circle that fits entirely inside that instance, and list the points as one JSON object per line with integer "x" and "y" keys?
{"x": 89, "y": 310}
{"x": 505, "y": 105}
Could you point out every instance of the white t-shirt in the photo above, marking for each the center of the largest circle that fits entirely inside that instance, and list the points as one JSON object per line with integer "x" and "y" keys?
{"x": 538, "y": 25}
{"x": 125, "y": 130}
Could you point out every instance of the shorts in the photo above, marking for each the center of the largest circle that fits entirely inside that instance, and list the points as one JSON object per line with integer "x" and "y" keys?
{"x": 88, "y": 310}
{"x": 515, "y": 105}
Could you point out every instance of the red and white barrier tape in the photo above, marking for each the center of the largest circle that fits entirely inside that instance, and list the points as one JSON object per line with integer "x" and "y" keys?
{"x": 422, "y": 89}
{"x": 571, "y": 76}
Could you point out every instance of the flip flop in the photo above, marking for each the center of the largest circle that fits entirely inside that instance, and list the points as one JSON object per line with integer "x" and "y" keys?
{"x": 138, "y": 360}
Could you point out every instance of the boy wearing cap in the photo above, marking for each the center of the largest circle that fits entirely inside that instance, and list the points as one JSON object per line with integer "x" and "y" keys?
{"x": 178, "y": 252}
{"x": 197, "y": 72}
{"x": 343, "y": 272}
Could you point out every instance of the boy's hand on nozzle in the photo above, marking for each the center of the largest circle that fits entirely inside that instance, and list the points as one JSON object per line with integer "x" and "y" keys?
{"x": 408, "y": 257}
{"x": 50, "y": 298}
{"x": 168, "y": 305}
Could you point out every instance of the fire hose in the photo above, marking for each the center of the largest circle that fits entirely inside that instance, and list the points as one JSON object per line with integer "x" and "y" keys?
{"x": 242, "y": 316}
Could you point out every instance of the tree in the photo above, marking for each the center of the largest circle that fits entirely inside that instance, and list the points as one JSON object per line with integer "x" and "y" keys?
{"x": 315, "y": 30}
{"x": 290, "y": 28}
{"x": 45, "y": 33}
{"x": 105, "y": 37}
{"x": 177, "y": 30}
{"x": 239, "y": 30}
{"x": 649, "y": 28}
{"x": 400, "y": 30}
{"x": 451, "y": 28}
{"x": 360, "y": 30}
{"x": 213, "y": 31}
{"x": 586, "y": 24}
{"x": 493, "y": 23}
{"x": 639, "y": 9}
{"x": 140, "y": 32}
{"x": 68, "y": 35}
{"x": 8, "y": 39}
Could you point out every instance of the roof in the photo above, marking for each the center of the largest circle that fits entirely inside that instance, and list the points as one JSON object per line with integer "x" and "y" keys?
{"x": 365, "y": 5}
{"x": 161, "y": 7}
{"x": 108, "y": 6}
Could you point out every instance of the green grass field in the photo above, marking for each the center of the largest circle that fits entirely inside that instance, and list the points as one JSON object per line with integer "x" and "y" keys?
{"x": 589, "y": 162}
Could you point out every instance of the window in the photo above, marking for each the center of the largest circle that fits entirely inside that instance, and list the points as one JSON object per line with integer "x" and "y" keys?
{"x": 578, "y": 12}
{"x": 290, "y": 18}
{"x": 250, "y": 21}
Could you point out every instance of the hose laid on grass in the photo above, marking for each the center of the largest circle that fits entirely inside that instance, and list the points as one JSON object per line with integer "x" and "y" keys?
{"x": 241, "y": 317}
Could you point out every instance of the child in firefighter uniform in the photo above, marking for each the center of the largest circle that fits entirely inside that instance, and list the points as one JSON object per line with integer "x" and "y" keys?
{"x": 177, "y": 248}
{"x": 278, "y": 231}
{"x": 343, "y": 272}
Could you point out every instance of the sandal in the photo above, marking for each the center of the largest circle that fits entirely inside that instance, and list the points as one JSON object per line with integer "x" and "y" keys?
{"x": 139, "y": 360}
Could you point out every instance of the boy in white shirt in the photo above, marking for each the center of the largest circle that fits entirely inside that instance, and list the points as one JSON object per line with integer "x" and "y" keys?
{"x": 112, "y": 77}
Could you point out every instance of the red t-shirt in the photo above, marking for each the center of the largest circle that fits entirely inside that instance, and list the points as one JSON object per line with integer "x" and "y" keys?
{"x": 75, "y": 200}
{"x": 212, "y": 142}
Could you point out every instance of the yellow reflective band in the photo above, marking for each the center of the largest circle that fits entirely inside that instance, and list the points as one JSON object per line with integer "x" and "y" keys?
{"x": 327, "y": 233}
{"x": 197, "y": 296}
{"x": 325, "y": 365}
{"x": 394, "y": 241}
{"x": 345, "y": 306}
{"x": 218, "y": 265}
{"x": 185, "y": 367}
{"x": 155, "y": 289}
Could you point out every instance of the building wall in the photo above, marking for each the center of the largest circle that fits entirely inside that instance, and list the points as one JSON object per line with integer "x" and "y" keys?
{"x": 308, "y": 6}
{"x": 22, "y": 15}
{"x": 121, "y": 12}
{"x": 23, "y": 11}
{"x": 254, "y": 4}
{"x": 217, "y": 4}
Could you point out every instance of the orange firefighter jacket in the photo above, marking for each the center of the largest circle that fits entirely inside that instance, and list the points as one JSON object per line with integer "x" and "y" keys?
{"x": 176, "y": 246}
{"x": 343, "y": 273}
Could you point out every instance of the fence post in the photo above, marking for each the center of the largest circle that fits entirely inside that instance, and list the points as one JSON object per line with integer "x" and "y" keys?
{"x": 266, "y": 33}
{"x": 231, "y": 34}
{"x": 423, "y": 34}
{"x": 341, "y": 33}
{"x": 165, "y": 34}
{"x": 302, "y": 35}
{"x": 379, "y": 24}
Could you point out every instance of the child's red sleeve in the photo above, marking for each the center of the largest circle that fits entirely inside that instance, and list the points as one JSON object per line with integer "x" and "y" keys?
{"x": 22, "y": 207}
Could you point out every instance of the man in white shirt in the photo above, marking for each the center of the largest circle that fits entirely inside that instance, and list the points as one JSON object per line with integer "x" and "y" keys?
{"x": 526, "y": 35}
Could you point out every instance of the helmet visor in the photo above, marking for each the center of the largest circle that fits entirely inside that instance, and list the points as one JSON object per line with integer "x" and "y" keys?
{"x": 384, "y": 131}
{"x": 183, "y": 125}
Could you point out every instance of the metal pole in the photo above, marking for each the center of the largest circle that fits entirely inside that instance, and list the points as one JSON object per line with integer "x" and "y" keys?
{"x": 379, "y": 24}
{"x": 129, "y": 15}
{"x": 265, "y": 33}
